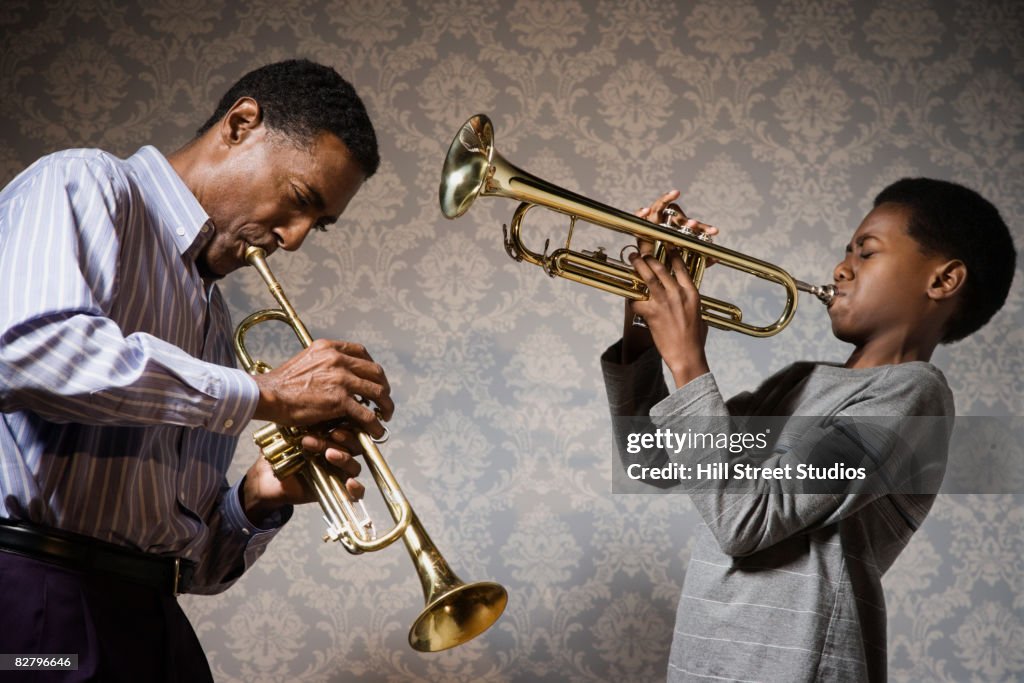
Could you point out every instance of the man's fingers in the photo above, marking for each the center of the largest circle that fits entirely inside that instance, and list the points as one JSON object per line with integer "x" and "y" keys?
{"x": 343, "y": 461}
{"x": 355, "y": 489}
{"x": 314, "y": 444}
{"x": 365, "y": 417}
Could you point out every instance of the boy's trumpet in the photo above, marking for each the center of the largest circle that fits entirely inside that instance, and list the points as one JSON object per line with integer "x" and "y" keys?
{"x": 456, "y": 612}
{"x": 473, "y": 168}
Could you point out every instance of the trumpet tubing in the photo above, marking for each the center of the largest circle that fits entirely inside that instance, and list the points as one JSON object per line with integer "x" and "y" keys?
{"x": 473, "y": 168}
{"x": 455, "y": 612}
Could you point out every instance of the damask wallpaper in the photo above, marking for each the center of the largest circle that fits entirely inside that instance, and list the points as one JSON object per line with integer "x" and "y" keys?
{"x": 778, "y": 121}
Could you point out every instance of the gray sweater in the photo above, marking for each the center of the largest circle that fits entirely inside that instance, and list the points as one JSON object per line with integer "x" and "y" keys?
{"x": 786, "y": 586}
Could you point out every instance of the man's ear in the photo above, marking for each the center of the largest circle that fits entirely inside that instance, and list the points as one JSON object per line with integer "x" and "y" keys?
{"x": 947, "y": 280}
{"x": 241, "y": 119}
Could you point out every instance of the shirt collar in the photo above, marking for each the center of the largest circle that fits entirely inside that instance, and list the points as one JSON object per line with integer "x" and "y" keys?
{"x": 170, "y": 202}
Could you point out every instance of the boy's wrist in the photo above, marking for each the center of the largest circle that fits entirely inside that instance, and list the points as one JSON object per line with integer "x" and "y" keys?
{"x": 686, "y": 370}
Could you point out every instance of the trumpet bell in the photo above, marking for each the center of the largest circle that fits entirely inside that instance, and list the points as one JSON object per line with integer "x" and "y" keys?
{"x": 467, "y": 166}
{"x": 458, "y": 616}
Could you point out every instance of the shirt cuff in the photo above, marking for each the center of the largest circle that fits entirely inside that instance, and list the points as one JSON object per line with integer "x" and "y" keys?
{"x": 690, "y": 399}
{"x": 237, "y": 396}
{"x": 630, "y": 384}
{"x": 237, "y": 523}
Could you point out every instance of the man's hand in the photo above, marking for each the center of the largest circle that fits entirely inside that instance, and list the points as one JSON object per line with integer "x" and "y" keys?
{"x": 263, "y": 493}
{"x": 323, "y": 383}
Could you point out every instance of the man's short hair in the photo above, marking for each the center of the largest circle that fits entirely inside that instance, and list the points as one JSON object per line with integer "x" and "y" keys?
{"x": 958, "y": 223}
{"x": 302, "y": 99}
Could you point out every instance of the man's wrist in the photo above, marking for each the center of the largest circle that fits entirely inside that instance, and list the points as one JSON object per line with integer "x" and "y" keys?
{"x": 256, "y": 510}
{"x": 268, "y": 407}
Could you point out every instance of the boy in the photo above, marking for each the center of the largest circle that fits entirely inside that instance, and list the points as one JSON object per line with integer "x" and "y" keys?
{"x": 788, "y": 587}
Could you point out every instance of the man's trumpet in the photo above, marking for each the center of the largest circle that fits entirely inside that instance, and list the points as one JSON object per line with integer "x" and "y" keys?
{"x": 456, "y": 612}
{"x": 473, "y": 168}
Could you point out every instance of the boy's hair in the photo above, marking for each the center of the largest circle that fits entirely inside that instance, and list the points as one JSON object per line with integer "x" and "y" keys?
{"x": 956, "y": 222}
{"x": 301, "y": 99}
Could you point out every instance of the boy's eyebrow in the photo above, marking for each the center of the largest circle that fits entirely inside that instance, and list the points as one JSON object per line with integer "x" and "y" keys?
{"x": 860, "y": 241}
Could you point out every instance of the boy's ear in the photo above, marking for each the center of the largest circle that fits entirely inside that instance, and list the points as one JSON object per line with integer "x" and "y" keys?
{"x": 948, "y": 279}
{"x": 244, "y": 116}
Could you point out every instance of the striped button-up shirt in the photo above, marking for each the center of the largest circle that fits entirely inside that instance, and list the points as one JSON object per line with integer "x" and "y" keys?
{"x": 121, "y": 406}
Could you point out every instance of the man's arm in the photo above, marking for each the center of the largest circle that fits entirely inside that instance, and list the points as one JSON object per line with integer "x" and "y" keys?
{"x": 61, "y": 355}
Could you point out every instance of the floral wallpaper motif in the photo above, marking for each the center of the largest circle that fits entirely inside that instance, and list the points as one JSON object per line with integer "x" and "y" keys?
{"x": 779, "y": 121}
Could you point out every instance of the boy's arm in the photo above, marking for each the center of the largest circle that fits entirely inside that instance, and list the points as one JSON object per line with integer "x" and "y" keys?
{"x": 749, "y": 515}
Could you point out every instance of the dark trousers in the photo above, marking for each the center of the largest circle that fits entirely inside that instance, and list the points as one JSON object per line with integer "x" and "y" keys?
{"x": 120, "y": 631}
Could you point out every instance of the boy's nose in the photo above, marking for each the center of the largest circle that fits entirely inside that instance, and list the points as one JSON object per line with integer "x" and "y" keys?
{"x": 842, "y": 272}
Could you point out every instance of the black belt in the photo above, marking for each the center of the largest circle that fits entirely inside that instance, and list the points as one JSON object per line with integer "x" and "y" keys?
{"x": 169, "y": 575}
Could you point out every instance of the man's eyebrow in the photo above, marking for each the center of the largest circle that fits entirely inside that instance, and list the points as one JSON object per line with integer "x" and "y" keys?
{"x": 314, "y": 194}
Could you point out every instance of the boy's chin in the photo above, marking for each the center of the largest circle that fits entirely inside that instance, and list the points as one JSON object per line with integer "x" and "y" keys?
{"x": 845, "y": 335}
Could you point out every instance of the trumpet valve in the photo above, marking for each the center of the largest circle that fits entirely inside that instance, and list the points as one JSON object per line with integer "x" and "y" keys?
{"x": 280, "y": 446}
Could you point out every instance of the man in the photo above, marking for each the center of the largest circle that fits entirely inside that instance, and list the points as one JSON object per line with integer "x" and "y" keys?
{"x": 121, "y": 406}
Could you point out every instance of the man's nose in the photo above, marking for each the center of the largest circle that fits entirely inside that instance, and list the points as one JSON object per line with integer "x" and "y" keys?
{"x": 291, "y": 236}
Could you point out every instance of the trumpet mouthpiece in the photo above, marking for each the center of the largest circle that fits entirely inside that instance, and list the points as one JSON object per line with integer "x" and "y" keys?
{"x": 825, "y": 293}
{"x": 254, "y": 254}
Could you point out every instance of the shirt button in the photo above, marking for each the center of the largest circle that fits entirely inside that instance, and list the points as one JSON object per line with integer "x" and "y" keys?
{"x": 229, "y": 423}
{"x": 181, "y": 231}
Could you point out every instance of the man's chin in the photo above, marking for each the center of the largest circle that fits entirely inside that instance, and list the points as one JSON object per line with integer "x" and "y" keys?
{"x": 207, "y": 273}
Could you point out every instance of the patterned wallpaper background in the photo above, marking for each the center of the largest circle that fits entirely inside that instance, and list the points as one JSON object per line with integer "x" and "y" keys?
{"x": 779, "y": 121}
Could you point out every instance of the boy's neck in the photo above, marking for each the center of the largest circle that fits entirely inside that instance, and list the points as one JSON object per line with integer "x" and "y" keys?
{"x": 878, "y": 352}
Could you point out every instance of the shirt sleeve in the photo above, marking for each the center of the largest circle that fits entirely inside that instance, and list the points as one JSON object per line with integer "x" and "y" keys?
{"x": 61, "y": 355}
{"x": 234, "y": 543}
{"x": 873, "y": 432}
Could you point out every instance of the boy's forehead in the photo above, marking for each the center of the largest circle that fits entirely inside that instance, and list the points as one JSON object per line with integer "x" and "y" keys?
{"x": 883, "y": 221}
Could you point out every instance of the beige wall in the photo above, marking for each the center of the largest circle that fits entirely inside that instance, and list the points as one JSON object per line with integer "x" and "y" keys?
{"x": 778, "y": 120}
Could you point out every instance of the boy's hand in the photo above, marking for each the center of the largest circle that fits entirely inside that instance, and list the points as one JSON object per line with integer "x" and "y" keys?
{"x": 638, "y": 339}
{"x": 673, "y": 316}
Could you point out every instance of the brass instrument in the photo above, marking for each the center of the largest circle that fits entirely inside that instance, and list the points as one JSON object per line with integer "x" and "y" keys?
{"x": 455, "y": 612}
{"x": 473, "y": 168}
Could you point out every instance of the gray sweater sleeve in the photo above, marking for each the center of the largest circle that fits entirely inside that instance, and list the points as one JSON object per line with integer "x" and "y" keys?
{"x": 742, "y": 518}
{"x": 633, "y": 389}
